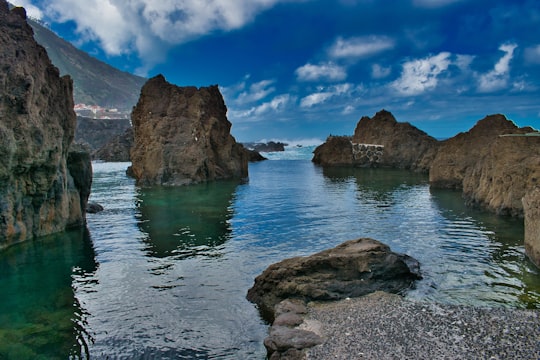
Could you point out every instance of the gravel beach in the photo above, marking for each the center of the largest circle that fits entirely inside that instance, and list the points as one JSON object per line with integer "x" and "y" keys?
{"x": 385, "y": 326}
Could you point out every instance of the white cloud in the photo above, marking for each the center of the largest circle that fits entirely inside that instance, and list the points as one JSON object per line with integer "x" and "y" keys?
{"x": 380, "y": 72}
{"x": 31, "y": 10}
{"x": 323, "y": 71}
{"x": 256, "y": 91}
{"x": 421, "y": 75}
{"x": 532, "y": 54}
{"x": 321, "y": 96}
{"x": 498, "y": 78}
{"x": 150, "y": 27}
{"x": 358, "y": 47}
{"x": 277, "y": 104}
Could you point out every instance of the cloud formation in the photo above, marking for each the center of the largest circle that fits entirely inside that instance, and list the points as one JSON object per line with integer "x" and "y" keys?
{"x": 498, "y": 78}
{"x": 358, "y": 47}
{"x": 421, "y": 75}
{"x": 324, "y": 71}
{"x": 149, "y": 28}
{"x": 321, "y": 96}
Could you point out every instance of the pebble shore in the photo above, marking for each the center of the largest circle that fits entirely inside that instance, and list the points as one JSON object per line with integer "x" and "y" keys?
{"x": 385, "y": 326}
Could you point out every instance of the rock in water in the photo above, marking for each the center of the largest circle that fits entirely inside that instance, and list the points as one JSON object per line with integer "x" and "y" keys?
{"x": 405, "y": 146}
{"x": 352, "y": 269}
{"x": 38, "y": 194}
{"x": 182, "y": 136}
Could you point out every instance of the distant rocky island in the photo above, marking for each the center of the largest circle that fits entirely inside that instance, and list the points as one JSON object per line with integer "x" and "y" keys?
{"x": 44, "y": 180}
{"x": 495, "y": 164}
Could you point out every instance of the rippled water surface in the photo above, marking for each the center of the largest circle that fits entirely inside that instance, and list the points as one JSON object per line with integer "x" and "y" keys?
{"x": 163, "y": 272}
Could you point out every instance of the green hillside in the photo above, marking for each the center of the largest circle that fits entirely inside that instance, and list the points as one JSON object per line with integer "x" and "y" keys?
{"x": 94, "y": 82}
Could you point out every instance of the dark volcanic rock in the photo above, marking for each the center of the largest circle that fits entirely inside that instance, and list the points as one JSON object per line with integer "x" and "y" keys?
{"x": 405, "y": 146}
{"x": 182, "y": 136}
{"x": 117, "y": 149}
{"x": 493, "y": 171}
{"x": 352, "y": 269}
{"x": 335, "y": 151}
{"x": 41, "y": 190}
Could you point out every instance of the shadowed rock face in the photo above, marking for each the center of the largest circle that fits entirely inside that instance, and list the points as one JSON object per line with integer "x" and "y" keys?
{"x": 182, "y": 136}
{"x": 352, "y": 269}
{"x": 38, "y": 195}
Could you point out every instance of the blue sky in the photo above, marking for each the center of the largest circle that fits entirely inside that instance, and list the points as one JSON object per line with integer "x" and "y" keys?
{"x": 305, "y": 69}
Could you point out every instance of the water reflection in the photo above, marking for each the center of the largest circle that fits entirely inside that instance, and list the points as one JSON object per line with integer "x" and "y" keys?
{"x": 40, "y": 317}
{"x": 185, "y": 221}
{"x": 490, "y": 247}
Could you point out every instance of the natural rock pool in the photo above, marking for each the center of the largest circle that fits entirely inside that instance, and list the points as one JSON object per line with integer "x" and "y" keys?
{"x": 163, "y": 273}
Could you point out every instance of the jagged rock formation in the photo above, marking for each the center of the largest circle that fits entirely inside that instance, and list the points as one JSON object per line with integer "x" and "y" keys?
{"x": 405, "y": 146}
{"x": 493, "y": 171}
{"x": 531, "y": 206}
{"x": 182, "y": 136}
{"x": 335, "y": 151}
{"x": 379, "y": 142}
{"x": 43, "y": 186}
{"x": 352, "y": 269}
{"x": 117, "y": 149}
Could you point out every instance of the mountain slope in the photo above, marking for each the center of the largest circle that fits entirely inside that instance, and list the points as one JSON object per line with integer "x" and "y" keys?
{"x": 94, "y": 82}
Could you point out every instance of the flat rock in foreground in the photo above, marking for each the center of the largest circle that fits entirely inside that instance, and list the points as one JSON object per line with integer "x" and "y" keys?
{"x": 385, "y": 326}
{"x": 352, "y": 269}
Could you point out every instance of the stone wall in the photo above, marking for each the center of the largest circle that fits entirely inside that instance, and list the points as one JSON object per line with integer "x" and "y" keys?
{"x": 368, "y": 154}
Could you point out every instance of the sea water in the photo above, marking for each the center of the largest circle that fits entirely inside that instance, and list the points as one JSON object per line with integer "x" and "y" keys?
{"x": 163, "y": 272}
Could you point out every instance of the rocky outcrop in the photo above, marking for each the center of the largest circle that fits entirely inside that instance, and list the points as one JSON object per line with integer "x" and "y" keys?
{"x": 531, "y": 206}
{"x": 380, "y": 141}
{"x": 352, "y": 269}
{"x": 494, "y": 171}
{"x": 43, "y": 186}
{"x": 182, "y": 136}
{"x": 117, "y": 149}
{"x": 405, "y": 146}
{"x": 335, "y": 151}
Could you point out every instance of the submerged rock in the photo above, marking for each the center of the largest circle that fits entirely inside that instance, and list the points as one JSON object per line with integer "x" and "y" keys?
{"x": 352, "y": 269}
{"x": 43, "y": 187}
{"x": 531, "y": 205}
{"x": 182, "y": 136}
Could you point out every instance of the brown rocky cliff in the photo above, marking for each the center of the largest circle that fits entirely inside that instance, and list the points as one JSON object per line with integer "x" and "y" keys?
{"x": 182, "y": 136}
{"x": 494, "y": 172}
{"x": 38, "y": 195}
{"x": 405, "y": 146}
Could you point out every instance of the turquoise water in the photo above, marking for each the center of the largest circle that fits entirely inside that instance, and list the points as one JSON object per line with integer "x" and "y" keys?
{"x": 163, "y": 272}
